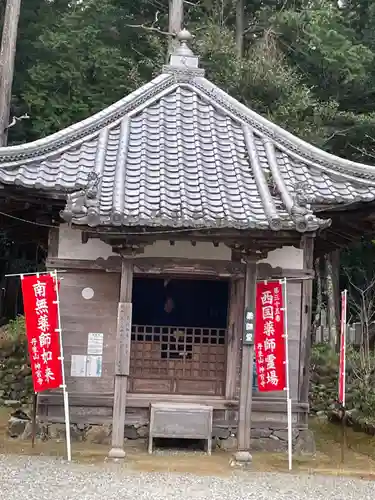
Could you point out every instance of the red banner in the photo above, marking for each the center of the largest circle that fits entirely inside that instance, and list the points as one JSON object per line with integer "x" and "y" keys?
{"x": 342, "y": 368}
{"x": 269, "y": 337}
{"x": 41, "y": 318}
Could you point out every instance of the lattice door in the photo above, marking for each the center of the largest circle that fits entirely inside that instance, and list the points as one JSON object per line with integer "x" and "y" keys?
{"x": 177, "y": 360}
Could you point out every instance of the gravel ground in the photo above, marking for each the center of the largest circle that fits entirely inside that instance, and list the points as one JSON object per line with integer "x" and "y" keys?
{"x": 41, "y": 479}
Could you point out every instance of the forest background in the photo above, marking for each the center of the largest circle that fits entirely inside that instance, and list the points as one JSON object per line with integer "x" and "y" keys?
{"x": 307, "y": 65}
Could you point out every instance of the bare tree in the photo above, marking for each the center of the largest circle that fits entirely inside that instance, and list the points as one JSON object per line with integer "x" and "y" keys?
{"x": 319, "y": 299}
{"x": 362, "y": 302}
{"x": 7, "y": 58}
{"x": 240, "y": 14}
{"x": 176, "y": 19}
{"x": 331, "y": 302}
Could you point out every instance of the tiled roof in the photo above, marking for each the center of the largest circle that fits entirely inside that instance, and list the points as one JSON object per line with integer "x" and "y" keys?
{"x": 179, "y": 152}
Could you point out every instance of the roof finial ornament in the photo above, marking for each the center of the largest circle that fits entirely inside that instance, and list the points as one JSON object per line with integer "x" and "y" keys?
{"x": 184, "y": 36}
{"x": 183, "y": 58}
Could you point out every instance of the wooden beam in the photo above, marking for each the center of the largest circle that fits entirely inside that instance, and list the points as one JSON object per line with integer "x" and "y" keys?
{"x": 230, "y": 236}
{"x": 262, "y": 403}
{"x": 122, "y": 359}
{"x": 246, "y": 380}
{"x": 170, "y": 266}
{"x": 307, "y": 244}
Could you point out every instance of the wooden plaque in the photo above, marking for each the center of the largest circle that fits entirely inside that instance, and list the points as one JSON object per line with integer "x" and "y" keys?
{"x": 124, "y": 331}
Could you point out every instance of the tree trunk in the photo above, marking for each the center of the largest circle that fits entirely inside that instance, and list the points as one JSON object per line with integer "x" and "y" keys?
{"x": 176, "y": 18}
{"x": 331, "y": 305}
{"x": 319, "y": 300}
{"x": 7, "y": 57}
{"x": 240, "y": 13}
{"x": 335, "y": 260}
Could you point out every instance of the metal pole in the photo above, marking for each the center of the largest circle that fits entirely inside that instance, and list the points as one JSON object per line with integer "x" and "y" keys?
{"x": 35, "y": 411}
{"x": 288, "y": 398}
{"x": 342, "y": 372}
{"x": 65, "y": 392}
{"x": 344, "y": 298}
{"x": 38, "y": 273}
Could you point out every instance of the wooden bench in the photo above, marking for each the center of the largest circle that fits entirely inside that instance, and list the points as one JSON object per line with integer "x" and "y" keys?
{"x": 181, "y": 421}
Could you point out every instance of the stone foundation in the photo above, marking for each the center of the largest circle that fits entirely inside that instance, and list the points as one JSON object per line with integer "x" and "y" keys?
{"x": 267, "y": 439}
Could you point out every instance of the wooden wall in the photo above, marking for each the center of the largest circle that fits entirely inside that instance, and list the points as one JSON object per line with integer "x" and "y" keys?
{"x": 80, "y": 316}
{"x": 99, "y": 314}
{"x": 294, "y": 292}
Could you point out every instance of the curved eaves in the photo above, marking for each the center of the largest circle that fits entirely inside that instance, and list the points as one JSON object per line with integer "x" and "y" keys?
{"x": 10, "y": 156}
{"x": 284, "y": 140}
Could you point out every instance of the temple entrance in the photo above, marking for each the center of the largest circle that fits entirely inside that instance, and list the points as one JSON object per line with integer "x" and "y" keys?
{"x": 179, "y": 336}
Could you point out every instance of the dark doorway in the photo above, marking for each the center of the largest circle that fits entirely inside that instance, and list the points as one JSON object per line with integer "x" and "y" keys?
{"x": 177, "y": 302}
{"x": 179, "y": 335}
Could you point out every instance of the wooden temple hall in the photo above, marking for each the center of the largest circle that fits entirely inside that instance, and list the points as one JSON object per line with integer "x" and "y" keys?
{"x": 167, "y": 207}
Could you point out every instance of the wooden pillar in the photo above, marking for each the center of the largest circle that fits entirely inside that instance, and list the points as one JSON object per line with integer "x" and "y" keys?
{"x": 246, "y": 381}
{"x": 123, "y": 340}
{"x": 235, "y": 327}
{"x": 307, "y": 244}
{"x": 53, "y": 242}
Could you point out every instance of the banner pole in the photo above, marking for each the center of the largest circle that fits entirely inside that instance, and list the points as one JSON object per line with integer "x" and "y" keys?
{"x": 342, "y": 374}
{"x": 35, "y": 412}
{"x": 288, "y": 398}
{"x": 65, "y": 392}
{"x": 36, "y": 273}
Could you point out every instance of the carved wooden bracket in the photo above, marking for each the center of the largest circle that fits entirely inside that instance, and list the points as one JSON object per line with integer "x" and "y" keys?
{"x": 247, "y": 253}
{"x": 129, "y": 249}
{"x": 126, "y": 247}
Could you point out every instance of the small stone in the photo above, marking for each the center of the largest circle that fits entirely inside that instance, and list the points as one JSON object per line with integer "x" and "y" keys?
{"x": 12, "y": 403}
{"x": 56, "y": 431}
{"x": 283, "y": 434}
{"x": 243, "y": 457}
{"x": 99, "y": 434}
{"x": 130, "y": 432}
{"x": 305, "y": 443}
{"x": 78, "y": 433}
{"x": 116, "y": 454}
{"x": 16, "y": 427}
{"x": 143, "y": 431}
{"x": 20, "y": 414}
{"x": 268, "y": 444}
{"x": 220, "y": 432}
{"x": 228, "y": 444}
{"x": 260, "y": 433}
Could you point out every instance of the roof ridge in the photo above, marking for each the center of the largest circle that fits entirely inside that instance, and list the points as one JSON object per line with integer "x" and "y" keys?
{"x": 77, "y": 132}
{"x": 290, "y": 143}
